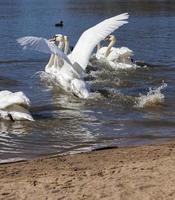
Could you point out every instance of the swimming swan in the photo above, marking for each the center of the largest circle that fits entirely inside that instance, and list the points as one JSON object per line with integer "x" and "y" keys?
{"x": 14, "y": 106}
{"x": 70, "y": 71}
{"x": 116, "y": 57}
{"x": 55, "y": 63}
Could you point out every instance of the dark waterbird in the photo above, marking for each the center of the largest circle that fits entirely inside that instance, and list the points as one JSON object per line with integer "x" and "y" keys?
{"x": 60, "y": 24}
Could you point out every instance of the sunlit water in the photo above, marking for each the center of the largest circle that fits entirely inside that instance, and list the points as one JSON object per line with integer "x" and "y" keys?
{"x": 128, "y": 107}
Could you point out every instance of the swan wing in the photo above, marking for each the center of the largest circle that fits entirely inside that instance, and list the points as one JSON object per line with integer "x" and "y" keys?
{"x": 92, "y": 36}
{"x": 42, "y": 45}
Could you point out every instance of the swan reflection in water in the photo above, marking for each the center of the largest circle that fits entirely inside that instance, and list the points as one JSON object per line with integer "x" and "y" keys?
{"x": 17, "y": 128}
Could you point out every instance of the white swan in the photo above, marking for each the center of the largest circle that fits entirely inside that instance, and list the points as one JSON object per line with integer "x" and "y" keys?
{"x": 70, "y": 69}
{"x": 14, "y": 106}
{"x": 55, "y": 62}
{"x": 116, "y": 57}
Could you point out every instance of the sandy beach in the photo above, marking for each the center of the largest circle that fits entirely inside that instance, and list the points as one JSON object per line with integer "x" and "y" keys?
{"x": 138, "y": 173}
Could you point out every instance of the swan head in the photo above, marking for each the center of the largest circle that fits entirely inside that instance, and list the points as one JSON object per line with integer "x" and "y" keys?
{"x": 65, "y": 38}
{"x": 79, "y": 88}
{"x": 111, "y": 38}
{"x": 57, "y": 38}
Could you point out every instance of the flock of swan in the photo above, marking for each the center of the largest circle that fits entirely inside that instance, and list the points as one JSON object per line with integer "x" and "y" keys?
{"x": 67, "y": 67}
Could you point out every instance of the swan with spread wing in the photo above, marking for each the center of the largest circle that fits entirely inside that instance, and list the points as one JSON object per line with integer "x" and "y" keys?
{"x": 14, "y": 106}
{"x": 69, "y": 73}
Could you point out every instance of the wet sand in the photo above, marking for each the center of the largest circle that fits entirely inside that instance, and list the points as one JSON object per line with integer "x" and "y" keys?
{"x": 138, "y": 173}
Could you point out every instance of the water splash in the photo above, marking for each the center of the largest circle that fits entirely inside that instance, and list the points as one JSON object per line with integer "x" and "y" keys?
{"x": 152, "y": 98}
{"x": 48, "y": 80}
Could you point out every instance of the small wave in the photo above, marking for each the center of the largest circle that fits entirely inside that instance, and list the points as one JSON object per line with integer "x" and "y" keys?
{"x": 118, "y": 65}
{"x": 152, "y": 98}
{"x": 6, "y": 81}
{"x": 20, "y": 61}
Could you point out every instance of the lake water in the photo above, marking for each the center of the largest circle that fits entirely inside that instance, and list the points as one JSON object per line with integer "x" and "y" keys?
{"x": 118, "y": 116}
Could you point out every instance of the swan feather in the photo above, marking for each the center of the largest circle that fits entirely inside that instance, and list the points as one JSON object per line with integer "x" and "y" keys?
{"x": 92, "y": 36}
{"x": 14, "y": 106}
{"x": 42, "y": 45}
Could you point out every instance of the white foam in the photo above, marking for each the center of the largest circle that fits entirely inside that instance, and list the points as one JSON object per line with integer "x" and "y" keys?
{"x": 152, "y": 98}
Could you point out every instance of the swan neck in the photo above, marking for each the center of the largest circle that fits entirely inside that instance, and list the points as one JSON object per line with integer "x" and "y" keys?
{"x": 66, "y": 46}
{"x": 111, "y": 44}
{"x": 61, "y": 45}
{"x": 98, "y": 46}
{"x": 50, "y": 63}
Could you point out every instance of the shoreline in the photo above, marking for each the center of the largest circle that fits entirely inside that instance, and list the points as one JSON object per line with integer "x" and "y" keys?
{"x": 143, "y": 172}
{"x": 51, "y": 155}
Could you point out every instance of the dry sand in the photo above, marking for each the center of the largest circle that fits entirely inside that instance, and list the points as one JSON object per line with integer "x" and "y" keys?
{"x": 137, "y": 173}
